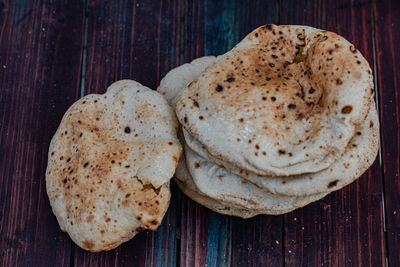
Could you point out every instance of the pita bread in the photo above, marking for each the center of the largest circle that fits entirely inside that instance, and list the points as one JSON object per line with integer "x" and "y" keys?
{"x": 216, "y": 206}
{"x": 357, "y": 158}
{"x": 171, "y": 86}
{"x": 186, "y": 184}
{"x": 110, "y": 163}
{"x": 178, "y": 78}
{"x": 270, "y": 104}
{"x": 218, "y": 183}
{"x": 229, "y": 193}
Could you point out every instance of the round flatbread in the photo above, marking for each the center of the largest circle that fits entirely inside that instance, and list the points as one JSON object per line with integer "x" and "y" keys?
{"x": 110, "y": 163}
{"x": 284, "y": 101}
{"x": 215, "y": 187}
{"x": 215, "y": 205}
{"x": 245, "y": 206}
{"x": 357, "y": 158}
{"x": 218, "y": 183}
{"x": 178, "y": 78}
{"x": 186, "y": 184}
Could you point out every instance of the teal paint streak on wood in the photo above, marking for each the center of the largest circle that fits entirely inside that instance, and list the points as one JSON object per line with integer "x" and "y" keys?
{"x": 165, "y": 247}
{"x": 159, "y": 252}
{"x": 20, "y": 10}
{"x": 219, "y": 241}
{"x": 221, "y": 35}
{"x": 165, "y": 243}
{"x": 167, "y": 234}
{"x": 221, "y": 29}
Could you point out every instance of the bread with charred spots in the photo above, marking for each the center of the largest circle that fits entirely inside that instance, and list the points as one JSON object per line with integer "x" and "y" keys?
{"x": 284, "y": 101}
{"x": 110, "y": 163}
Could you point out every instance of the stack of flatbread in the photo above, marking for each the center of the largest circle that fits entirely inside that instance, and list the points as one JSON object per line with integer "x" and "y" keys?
{"x": 283, "y": 119}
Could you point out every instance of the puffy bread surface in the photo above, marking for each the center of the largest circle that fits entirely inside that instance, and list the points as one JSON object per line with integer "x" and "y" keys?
{"x": 171, "y": 87}
{"x": 284, "y": 101}
{"x": 218, "y": 183}
{"x": 359, "y": 155}
{"x": 215, "y": 205}
{"x": 110, "y": 163}
{"x": 213, "y": 186}
{"x": 185, "y": 182}
{"x": 178, "y": 78}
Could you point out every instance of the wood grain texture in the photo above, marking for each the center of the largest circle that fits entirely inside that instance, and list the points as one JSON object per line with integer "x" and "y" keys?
{"x": 133, "y": 40}
{"x": 346, "y": 227}
{"x": 195, "y": 219}
{"x": 40, "y": 57}
{"x": 207, "y": 238}
{"x": 387, "y": 23}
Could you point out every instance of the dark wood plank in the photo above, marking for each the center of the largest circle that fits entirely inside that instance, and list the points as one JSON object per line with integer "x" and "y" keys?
{"x": 387, "y": 21}
{"x": 195, "y": 224}
{"x": 346, "y": 227}
{"x": 195, "y": 219}
{"x": 212, "y": 28}
{"x": 133, "y": 40}
{"x": 41, "y": 44}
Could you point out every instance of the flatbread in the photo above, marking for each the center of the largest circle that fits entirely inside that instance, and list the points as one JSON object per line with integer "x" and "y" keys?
{"x": 270, "y": 104}
{"x": 217, "y": 206}
{"x": 186, "y": 184}
{"x": 218, "y": 183}
{"x": 110, "y": 163}
{"x": 178, "y": 78}
{"x": 357, "y": 158}
{"x": 228, "y": 192}
{"x": 171, "y": 87}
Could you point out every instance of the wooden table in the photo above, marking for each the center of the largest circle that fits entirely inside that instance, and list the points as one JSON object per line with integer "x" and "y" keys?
{"x": 54, "y": 52}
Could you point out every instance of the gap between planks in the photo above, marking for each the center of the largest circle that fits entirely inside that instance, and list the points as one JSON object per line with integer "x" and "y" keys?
{"x": 376, "y": 86}
{"x": 82, "y": 94}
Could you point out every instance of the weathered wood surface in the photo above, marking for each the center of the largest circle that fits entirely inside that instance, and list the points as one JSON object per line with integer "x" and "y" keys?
{"x": 40, "y": 67}
{"x": 51, "y": 53}
{"x": 387, "y": 23}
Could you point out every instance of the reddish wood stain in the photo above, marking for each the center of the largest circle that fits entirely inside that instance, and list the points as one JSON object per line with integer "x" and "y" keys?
{"x": 387, "y": 21}
{"x": 41, "y": 64}
{"x": 40, "y": 57}
{"x": 346, "y": 227}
